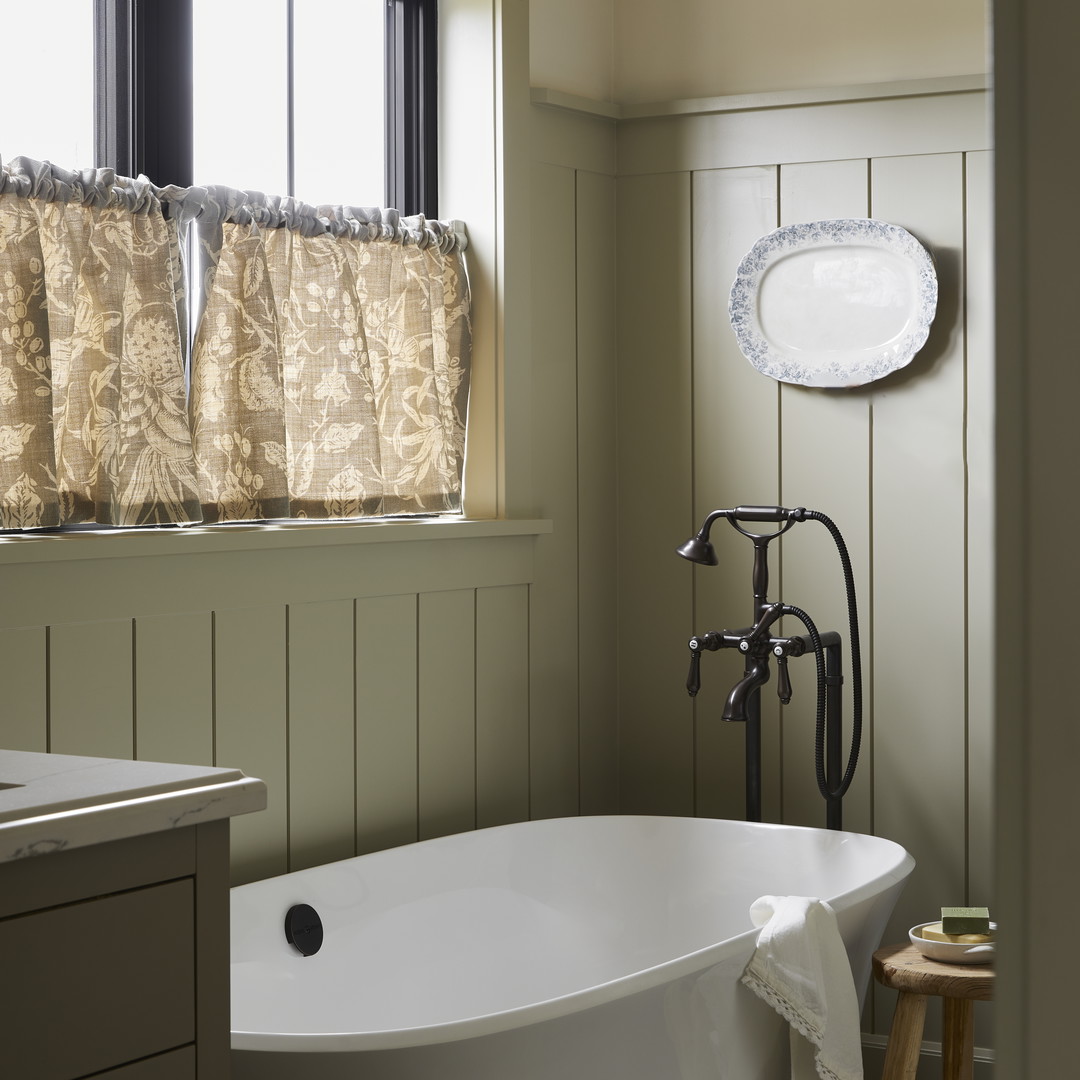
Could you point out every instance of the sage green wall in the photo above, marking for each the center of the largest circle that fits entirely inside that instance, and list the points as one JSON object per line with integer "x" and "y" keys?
{"x": 574, "y": 457}
{"x": 904, "y": 466}
{"x": 377, "y": 678}
{"x": 698, "y": 428}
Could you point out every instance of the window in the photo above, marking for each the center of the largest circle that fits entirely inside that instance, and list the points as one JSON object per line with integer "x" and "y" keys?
{"x": 330, "y": 330}
{"x": 58, "y": 125}
{"x": 248, "y": 92}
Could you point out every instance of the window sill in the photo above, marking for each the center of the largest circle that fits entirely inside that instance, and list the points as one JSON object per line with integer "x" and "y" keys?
{"x": 132, "y": 543}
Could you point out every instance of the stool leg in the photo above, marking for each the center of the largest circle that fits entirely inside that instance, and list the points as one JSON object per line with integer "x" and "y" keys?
{"x": 958, "y": 1039}
{"x": 905, "y": 1037}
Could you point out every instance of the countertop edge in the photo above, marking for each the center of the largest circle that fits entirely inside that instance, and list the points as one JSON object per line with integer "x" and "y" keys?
{"x": 46, "y": 834}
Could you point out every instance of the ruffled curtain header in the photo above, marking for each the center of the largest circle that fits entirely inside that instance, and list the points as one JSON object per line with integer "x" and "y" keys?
{"x": 216, "y": 204}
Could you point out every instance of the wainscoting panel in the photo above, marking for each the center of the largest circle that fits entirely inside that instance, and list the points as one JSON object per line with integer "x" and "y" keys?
{"x": 24, "y": 677}
{"x": 734, "y": 463}
{"x": 174, "y": 688}
{"x": 919, "y": 552}
{"x": 502, "y": 705}
{"x": 655, "y": 491}
{"x": 374, "y": 719}
{"x": 573, "y": 645}
{"x": 322, "y": 739}
{"x": 597, "y": 467}
{"x": 825, "y": 447}
{"x": 553, "y": 734}
{"x": 90, "y": 689}
{"x": 919, "y": 481}
{"x": 447, "y": 712}
{"x": 251, "y": 729}
{"x": 386, "y": 729}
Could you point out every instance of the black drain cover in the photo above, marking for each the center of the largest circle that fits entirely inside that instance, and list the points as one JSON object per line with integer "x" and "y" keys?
{"x": 303, "y": 929}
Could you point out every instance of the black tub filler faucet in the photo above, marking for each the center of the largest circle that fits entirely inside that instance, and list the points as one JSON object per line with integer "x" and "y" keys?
{"x": 759, "y": 647}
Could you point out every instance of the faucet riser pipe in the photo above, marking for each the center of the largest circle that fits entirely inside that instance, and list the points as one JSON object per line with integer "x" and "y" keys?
{"x": 753, "y": 756}
{"x": 760, "y": 579}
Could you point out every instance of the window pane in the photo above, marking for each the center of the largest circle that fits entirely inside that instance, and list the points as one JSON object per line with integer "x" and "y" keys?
{"x": 338, "y": 101}
{"x": 241, "y": 94}
{"x": 49, "y": 83}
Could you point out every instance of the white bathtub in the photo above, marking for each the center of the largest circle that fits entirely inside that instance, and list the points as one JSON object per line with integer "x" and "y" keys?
{"x": 574, "y": 948}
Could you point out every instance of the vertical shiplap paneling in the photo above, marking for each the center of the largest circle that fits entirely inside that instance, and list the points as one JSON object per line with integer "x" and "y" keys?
{"x": 596, "y": 475}
{"x": 447, "y": 713}
{"x": 385, "y": 721}
{"x": 322, "y": 748}
{"x": 251, "y": 730}
{"x": 825, "y": 465}
{"x": 735, "y": 462}
{"x": 554, "y": 605}
{"x": 655, "y": 492}
{"x": 979, "y": 325}
{"x": 90, "y": 689}
{"x": 174, "y": 688}
{"x": 23, "y": 676}
{"x": 502, "y": 705}
{"x": 920, "y": 753}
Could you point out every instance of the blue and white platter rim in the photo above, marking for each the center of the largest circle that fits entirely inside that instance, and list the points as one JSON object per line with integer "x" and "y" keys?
{"x": 859, "y": 366}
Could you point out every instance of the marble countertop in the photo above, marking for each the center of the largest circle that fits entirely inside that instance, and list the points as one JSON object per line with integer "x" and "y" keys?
{"x": 52, "y": 802}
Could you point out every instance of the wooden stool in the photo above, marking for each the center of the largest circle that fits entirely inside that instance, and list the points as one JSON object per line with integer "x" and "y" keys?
{"x": 904, "y": 968}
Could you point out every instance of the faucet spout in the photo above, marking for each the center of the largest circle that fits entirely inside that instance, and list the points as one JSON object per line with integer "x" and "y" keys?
{"x": 755, "y": 676}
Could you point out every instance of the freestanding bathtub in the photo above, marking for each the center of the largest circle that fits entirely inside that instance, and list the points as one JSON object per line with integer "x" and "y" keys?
{"x": 568, "y": 949}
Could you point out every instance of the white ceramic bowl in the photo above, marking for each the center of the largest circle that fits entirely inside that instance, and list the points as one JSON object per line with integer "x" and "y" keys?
{"x": 948, "y": 951}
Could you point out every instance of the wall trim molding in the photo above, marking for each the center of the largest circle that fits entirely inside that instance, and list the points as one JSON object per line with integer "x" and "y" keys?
{"x": 928, "y": 1049}
{"x": 575, "y": 103}
{"x": 929, "y": 1058}
{"x": 887, "y": 127}
{"x": 775, "y": 99}
{"x": 204, "y": 539}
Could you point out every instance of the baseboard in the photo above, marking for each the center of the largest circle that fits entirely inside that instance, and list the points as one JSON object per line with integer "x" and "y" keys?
{"x": 929, "y": 1060}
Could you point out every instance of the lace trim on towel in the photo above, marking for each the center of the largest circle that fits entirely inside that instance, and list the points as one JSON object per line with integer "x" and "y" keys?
{"x": 807, "y": 1030}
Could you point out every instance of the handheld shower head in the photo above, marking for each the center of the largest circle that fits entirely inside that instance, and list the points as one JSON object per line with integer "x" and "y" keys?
{"x": 699, "y": 549}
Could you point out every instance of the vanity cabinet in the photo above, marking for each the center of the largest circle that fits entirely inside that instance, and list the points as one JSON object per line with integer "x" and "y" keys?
{"x": 102, "y": 964}
{"x": 114, "y": 955}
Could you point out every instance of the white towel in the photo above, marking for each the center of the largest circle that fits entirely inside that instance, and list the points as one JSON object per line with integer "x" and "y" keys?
{"x": 800, "y": 967}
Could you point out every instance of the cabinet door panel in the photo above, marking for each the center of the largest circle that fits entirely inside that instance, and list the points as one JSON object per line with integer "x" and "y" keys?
{"x": 91, "y": 985}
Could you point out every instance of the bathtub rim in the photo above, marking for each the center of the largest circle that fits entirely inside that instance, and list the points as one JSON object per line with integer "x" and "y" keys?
{"x": 895, "y": 874}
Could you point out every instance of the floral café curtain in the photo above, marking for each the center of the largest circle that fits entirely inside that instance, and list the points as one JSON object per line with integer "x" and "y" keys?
{"x": 93, "y": 417}
{"x": 328, "y": 376}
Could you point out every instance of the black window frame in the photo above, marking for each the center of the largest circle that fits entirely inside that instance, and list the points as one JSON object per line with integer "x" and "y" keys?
{"x": 143, "y": 113}
{"x": 412, "y": 102}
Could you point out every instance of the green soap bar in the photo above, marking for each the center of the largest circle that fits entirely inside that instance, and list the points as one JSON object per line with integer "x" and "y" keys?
{"x": 965, "y": 920}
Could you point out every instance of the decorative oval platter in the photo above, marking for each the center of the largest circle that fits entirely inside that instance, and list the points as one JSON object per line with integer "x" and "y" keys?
{"x": 833, "y": 303}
